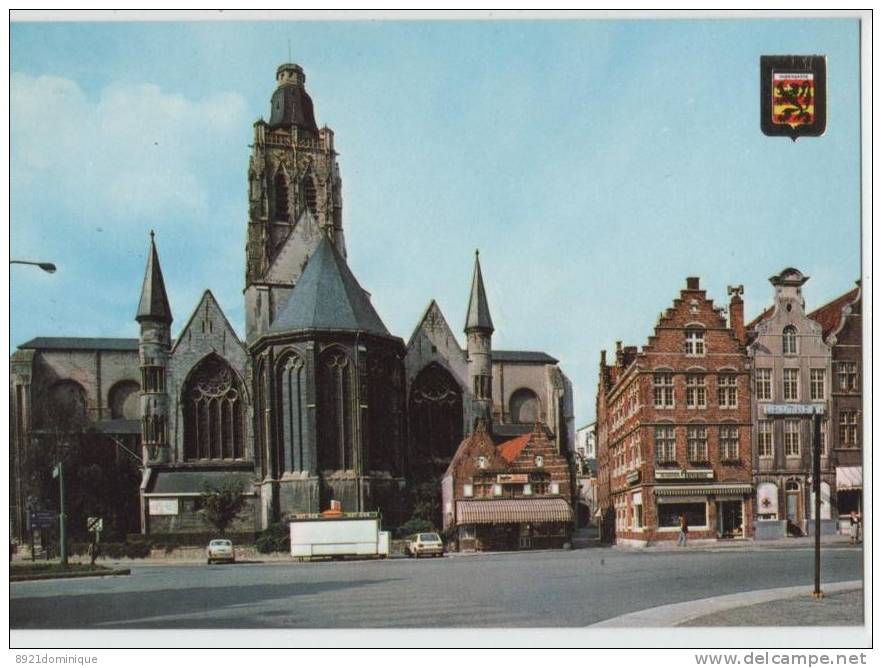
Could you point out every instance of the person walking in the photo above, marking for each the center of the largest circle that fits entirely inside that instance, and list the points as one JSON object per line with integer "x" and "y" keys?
{"x": 684, "y": 531}
{"x": 855, "y": 522}
{"x": 93, "y": 552}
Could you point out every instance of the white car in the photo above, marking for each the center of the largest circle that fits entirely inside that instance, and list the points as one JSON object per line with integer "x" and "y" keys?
{"x": 424, "y": 543}
{"x": 221, "y": 549}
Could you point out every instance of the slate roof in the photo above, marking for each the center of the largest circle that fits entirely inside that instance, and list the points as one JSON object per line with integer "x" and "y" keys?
{"x": 80, "y": 343}
{"x": 529, "y": 356}
{"x": 328, "y": 297}
{"x": 478, "y": 314}
{"x": 118, "y": 426}
{"x": 830, "y": 315}
{"x": 154, "y": 302}
{"x": 194, "y": 482}
{"x": 291, "y": 105}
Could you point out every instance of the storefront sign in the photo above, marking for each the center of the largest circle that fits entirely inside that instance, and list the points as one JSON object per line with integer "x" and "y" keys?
{"x": 795, "y": 409}
{"x": 163, "y": 506}
{"x": 510, "y": 478}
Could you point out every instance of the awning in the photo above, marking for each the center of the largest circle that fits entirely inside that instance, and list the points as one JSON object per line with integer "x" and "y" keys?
{"x": 849, "y": 477}
{"x": 193, "y": 483}
{"x": 513, "y": 511}
{"x": 703, "y": 490}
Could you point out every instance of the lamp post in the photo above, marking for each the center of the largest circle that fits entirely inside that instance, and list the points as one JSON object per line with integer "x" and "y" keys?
{"x": 58, "y": 472}
{"x": 48, "y": 267}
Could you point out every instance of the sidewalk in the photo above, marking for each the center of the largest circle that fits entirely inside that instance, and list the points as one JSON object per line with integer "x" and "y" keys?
{"x": 805, "y": 542}
{"x": 842, "y": 605}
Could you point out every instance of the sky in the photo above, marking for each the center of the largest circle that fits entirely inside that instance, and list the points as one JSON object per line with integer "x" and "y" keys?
{"x": 595, "y": 164}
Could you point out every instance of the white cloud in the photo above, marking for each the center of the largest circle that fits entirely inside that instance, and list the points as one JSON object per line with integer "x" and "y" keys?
{"x": 133, "y": 152}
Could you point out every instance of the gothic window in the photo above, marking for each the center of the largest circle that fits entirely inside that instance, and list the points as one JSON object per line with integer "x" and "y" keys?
{"x": 292, "y": 409}
{"x": 335, "y": 411}
{"x": 124, "y": 401}
{"x": 384, "y": 412}
{"x": 66, "y": 405}
{"x": 280, "y": 196}
{"x": 435, "y": 413}
{"x": 524, "y": 406}
{"x": 214, "y": 412}
{"x": 309, "y": 195}
{"x": 260, "y": 418}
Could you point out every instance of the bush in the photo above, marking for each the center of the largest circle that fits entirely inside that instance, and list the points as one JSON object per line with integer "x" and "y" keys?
{"x": 414, "y": 525}
{"x": 276, "y": 538}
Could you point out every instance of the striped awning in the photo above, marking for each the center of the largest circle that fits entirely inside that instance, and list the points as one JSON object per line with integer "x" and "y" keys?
{"x": 703, "y": 490}
{"x": 849, "y": 477}
{"x": 513, "y": 511}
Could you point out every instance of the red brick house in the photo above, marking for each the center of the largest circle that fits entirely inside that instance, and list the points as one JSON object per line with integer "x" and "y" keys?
{"x": 514, "y": 495}
{"x": 841, "y": 322}
{"x": 673, "y": 427}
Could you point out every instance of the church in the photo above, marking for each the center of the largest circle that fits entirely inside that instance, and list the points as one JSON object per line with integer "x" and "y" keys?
{"x": 318, "y": 401}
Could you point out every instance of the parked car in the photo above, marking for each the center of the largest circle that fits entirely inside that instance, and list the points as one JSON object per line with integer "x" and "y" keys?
{"x": 419, "y": 544}
{"x": 221, "y": 549}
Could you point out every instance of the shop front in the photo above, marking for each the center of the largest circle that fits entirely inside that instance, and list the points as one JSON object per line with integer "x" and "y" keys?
{"x": 513, "y": 524}
{"x": 849, "y": 493}
{"x": 714, "y": 511}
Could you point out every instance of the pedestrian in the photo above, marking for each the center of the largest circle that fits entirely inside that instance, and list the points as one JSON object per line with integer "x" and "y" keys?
{"x": 855, "y": 522}
{"x": 684, "y": 531}
{"x": 93, "y": 552}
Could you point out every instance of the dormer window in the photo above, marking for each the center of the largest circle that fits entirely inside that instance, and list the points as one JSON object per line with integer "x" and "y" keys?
{"x": 539, "y": 461}
{"x": 789, "y": 340}
{"x": 694, "y": 342}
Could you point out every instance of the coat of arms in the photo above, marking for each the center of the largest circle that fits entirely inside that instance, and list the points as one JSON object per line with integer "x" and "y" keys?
{"x": 793, "y": 95}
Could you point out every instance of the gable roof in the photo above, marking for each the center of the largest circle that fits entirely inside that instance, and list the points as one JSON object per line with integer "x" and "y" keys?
{"x": 762, "y": 316}
{"x": 328, "y": 296}
{"x": 79, "y": 343}
{"x": 511, "y": 449}
{"x": 528, "y": 356}
{"x": 207, "y": 298}
{"x": 433, "y": 319}
{"x": 829, "y": 316}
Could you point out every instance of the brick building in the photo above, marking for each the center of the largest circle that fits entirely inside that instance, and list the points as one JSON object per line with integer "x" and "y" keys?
{"x": 841, "y": 321}
{"x": 673, "y": 427}
{"x": 514, "y": 495}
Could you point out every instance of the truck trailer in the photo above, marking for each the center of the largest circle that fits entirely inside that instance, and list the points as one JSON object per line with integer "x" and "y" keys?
{"x": 317, "y": 535}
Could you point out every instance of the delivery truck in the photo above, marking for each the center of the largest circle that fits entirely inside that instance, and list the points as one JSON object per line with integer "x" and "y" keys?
{"x": 320, "y": 535}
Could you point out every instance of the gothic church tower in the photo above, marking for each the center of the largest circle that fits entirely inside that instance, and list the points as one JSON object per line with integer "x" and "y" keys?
{"x": 294, "y": 199}
{"x": 479, "y": 331}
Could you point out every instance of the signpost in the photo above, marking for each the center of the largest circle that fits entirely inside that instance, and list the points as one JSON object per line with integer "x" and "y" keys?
{"x": 815, "y": 411}
{"x": 37, "y": 521}
{"x": 58, "y": 472}
{"x": 95, "y": 524}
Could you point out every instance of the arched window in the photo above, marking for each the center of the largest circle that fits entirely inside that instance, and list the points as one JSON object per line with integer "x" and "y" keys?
{"x": 384, "y": 407}
{"x": 67, "y": 404}
{"x": 292, "y": 411}
{"x": 124, "y": 400}
{"x": 280, "y": 195}
{"x": 260, "y": 418}
{"x": 789, "y": 340}
{"x": 214, "y": 412}
{"x": 435, "y": 413}
{"x": 524, "y": 406}
{"x": 307, "y": 187}
{"x": 335, "y": 411}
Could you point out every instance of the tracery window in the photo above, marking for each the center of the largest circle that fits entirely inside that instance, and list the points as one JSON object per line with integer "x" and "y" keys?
{"x": 309, "y": 194}
{"x": 214, "y": 412}
{"x": 280, "y": 196}
{"x": 436, "y": 418}
{"x": 335, "y": 429}
{"x": 292, "y": 411}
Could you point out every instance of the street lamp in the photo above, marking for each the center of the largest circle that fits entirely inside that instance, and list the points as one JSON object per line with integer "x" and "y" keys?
{"x": 48, "y": 267}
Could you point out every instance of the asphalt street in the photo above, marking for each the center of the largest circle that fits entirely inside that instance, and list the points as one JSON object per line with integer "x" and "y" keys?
{"x": 521, "y": 589}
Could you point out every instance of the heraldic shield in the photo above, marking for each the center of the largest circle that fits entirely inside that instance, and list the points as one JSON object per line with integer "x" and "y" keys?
{"x": 794, "y": 96}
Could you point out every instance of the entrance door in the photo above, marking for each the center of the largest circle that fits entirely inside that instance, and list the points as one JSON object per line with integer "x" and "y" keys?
{"x": 794, "y": 507}
{"x": 524, "y": 539}
{"x": 731, "y": 522}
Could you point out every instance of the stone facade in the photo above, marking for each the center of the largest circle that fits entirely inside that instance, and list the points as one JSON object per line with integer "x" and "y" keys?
{"x": 790, "y": 364}
{"x": 673, "y": 428}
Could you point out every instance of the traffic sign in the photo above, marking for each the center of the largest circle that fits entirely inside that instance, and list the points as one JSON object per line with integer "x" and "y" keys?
{"x": 94, "y": 524}
{"x": 42, "y": 519}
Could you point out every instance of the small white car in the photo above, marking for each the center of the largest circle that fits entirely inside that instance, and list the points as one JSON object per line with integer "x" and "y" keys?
{"x": 424, "y": 543}
{"x": 221, "y": 549}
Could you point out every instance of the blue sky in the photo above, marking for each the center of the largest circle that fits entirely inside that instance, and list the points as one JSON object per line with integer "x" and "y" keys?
{"x": 596, "y": 164}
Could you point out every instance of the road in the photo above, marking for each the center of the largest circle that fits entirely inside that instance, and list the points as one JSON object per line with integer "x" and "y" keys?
{"x": 522, "y": 589}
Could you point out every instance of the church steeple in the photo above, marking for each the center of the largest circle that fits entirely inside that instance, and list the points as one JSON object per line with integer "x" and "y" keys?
{"x": 154, "y": 302}
{"x": 479, "y": 330}
{"x": 478, "y": 315}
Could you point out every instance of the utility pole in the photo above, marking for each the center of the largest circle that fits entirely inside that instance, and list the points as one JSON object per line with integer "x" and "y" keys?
{"x": 58, "y": 472}
{"x": 816, "y": 488}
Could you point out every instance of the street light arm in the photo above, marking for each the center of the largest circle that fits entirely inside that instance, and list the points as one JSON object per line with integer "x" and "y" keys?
{"x": 48, "y": 267}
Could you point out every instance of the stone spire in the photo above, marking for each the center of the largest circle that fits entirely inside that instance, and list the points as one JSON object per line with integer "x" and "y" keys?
{"x": 154, "y": 302}
{"x": 478, "y": 315}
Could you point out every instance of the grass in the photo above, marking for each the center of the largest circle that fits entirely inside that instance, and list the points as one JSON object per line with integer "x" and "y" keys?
{"x": 40, "y": 567}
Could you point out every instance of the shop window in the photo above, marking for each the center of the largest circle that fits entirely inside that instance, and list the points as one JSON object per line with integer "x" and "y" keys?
{"x": 669, "y": 515}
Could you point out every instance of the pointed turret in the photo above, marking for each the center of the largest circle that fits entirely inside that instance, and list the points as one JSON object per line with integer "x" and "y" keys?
{"x": 478, "y": 315}
{"x": 479, "y": 329}
{"x": 154, "y": 302}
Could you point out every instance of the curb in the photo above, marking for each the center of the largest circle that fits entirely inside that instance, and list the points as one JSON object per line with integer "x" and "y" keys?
{"x": 67, "y": 576}
{"x": 679, "y": 613}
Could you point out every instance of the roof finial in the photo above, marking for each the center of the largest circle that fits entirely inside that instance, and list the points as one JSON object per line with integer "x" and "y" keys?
{"x": 477, "y": 252}
{"x": 152, "y": 234}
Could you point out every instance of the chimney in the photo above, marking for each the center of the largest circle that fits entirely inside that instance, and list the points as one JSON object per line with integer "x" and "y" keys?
{"x": 692, "y": 283}
{"x": 620, "y": 355}
{"x": 736, "y": 312}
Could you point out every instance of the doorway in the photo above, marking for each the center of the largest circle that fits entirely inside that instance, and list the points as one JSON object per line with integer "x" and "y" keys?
{"x": 730, "y": 516}
{"x": 794, "y": 507}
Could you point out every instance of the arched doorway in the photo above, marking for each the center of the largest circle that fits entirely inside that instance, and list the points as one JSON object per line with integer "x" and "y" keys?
{"x": 436, "y": 414}
{"x": 793, "y": 506}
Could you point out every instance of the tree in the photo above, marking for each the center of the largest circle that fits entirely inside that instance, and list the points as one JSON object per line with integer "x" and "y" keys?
{"x": 222, "y": 505}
